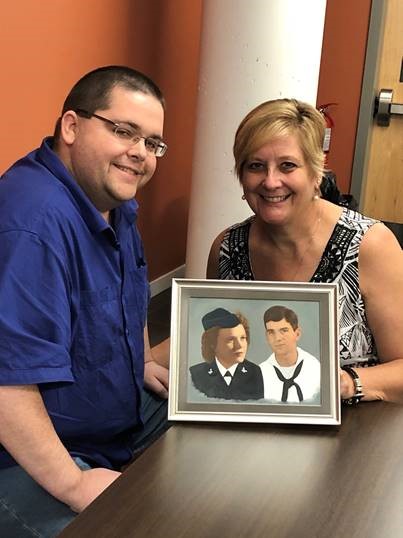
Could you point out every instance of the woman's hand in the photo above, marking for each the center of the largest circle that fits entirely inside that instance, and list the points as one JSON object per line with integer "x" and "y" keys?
{"x": 347, "y": 388}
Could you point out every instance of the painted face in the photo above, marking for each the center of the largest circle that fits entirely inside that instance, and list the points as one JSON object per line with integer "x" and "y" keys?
{"x": 282, "y": 339}
{"x": 231, "y": 345}
{"x": 277, "y": 183}
{"x": 109, "y": 169}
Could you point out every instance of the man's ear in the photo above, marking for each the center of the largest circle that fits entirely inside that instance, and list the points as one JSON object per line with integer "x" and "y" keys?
{"x": 298, "y": 333}
{"x": 69, "y": 127}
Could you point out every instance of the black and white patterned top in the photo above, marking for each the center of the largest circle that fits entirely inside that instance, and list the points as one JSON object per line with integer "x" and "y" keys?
{"x": 339, "y": 263}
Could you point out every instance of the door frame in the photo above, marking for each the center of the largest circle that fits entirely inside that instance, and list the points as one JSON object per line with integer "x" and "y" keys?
{"x": 368, "y": 93}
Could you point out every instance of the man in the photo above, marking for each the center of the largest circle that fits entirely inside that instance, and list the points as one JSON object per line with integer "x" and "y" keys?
{"x": 290, "y": 374}
{"x": 226, "y": 373}
{"x": 74, "y": 350}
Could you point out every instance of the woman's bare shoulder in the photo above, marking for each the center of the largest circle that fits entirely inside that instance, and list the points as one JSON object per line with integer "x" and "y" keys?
{"x": 377, "y": 241}
{"x": 380, "y": 257}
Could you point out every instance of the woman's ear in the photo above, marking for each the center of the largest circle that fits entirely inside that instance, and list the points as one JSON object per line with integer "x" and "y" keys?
{"x": 69, "y": 127}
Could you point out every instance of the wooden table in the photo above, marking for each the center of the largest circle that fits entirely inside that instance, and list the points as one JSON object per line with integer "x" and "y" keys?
{"x": 269, "y": 481}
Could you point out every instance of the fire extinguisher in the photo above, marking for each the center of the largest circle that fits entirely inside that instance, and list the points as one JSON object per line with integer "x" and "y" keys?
{"x": 323, "y": 109}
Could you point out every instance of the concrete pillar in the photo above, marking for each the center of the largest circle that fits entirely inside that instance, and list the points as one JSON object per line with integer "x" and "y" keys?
{"x": 251, "y": 51}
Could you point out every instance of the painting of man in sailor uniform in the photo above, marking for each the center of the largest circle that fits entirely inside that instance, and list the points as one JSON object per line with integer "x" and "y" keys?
{"x": 290, "y": 374}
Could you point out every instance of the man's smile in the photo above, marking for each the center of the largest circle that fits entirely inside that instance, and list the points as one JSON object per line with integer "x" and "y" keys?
{"x": 129, "y": 170}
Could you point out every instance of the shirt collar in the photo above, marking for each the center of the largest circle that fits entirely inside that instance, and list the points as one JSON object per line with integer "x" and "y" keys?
{"x": 272, "y": 360}
{"x": 222, "y": 369}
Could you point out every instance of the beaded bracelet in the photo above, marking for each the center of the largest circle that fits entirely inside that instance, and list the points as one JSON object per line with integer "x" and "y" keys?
{"x": 358, "y": 393}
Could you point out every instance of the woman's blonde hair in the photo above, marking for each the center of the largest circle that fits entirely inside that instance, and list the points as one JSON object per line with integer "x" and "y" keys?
{"x": 277, "y": 118}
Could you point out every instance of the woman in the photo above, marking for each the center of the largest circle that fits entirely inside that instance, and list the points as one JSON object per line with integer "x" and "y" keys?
{"x": 295, "y": 235}
{"x": 226, "y": 373}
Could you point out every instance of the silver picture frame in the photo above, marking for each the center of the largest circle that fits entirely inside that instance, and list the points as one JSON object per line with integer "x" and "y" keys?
{"x": 317, "y": 308}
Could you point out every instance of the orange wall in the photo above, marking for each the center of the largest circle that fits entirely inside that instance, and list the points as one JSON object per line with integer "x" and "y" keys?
{"x": 46, "y": 45}
{"x": 341, "y": 71}
{"x": 165, "y": 201}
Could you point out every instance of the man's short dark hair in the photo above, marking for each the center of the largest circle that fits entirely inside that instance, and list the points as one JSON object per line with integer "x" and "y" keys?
{"x": 277, "y": 313}
{"x": 92, "y": 91}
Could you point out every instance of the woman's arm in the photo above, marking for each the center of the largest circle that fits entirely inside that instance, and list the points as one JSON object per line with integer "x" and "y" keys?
{"x": 381, "y": 283}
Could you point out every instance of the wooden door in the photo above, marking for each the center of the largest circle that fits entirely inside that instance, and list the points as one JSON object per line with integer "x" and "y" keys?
{"x": 382, "y": 187}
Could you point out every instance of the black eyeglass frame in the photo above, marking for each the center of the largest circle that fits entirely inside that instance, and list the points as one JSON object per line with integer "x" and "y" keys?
{"x": 149, "y": 142}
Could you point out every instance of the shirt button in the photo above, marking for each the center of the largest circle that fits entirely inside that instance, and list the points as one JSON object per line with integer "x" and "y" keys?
{"x": 127, "y": 332}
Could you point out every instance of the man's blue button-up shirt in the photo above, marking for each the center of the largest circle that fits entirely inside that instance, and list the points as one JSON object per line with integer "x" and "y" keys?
{"x": 73, "y": 302}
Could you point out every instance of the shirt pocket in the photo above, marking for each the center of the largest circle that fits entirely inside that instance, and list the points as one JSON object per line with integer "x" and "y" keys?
{"x": 99, "y": 328}
{"x": 138, "y": 294}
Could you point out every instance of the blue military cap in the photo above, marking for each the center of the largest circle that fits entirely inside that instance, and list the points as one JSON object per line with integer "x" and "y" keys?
{"x": 220, "y": 318}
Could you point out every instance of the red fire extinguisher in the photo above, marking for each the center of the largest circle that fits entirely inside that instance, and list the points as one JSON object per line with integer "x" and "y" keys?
{"x": 329, "y": 125}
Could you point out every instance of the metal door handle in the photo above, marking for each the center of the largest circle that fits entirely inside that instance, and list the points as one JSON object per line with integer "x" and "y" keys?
{"x": 384, "y": 108}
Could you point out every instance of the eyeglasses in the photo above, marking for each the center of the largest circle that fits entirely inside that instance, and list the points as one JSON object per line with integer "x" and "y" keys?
{"x": 127, "y": 133}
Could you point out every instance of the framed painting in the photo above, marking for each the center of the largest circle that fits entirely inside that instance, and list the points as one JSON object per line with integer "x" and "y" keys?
{"x": 249, "y": 351}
